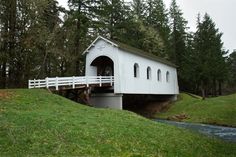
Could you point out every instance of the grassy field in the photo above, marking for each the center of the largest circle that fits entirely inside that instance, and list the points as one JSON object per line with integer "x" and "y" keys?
{"x": 219, "y": 110}
{"x": 38, "y": 123}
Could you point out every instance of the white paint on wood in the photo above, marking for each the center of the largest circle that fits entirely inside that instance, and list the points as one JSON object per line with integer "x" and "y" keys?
{"x": 124, "y": 80}
{"x": 72, "y": 82}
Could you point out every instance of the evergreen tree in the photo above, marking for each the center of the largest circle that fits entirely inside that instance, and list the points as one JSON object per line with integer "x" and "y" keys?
{"x": 25, "y": 35}
{"x": 139, "y": 9}
{"x": 178, "y": 37}
{"x": 188, "y": 78}
{"x": 178, "y": 33}
{"x": 113, "y": 19}
{"x": 210, "y": 64}
{"x": 146, "y": 38}
{"x": 143, "y": 33}
{"x": 3, "y": 43}
{"x": 232, "y": 70}
{"x": 80, "y": 20}
{"x": 49, "y": 23}
{"x": 157, "y": 17}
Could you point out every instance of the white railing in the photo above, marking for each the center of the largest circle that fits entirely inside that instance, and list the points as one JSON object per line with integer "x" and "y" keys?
{"x": 73, "y": 82}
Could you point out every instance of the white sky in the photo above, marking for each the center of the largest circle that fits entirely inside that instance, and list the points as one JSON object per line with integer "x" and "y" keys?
{"x": 221, "y": 11}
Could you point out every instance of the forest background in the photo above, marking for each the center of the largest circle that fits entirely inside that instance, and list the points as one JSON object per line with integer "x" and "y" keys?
{"x": 41, "y": 39}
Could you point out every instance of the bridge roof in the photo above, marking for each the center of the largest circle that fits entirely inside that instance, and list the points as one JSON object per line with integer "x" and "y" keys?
{"x": 133, "y": 50}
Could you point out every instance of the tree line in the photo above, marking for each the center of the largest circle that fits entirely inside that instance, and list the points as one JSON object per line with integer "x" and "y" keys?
{"x": 42, "y": 39}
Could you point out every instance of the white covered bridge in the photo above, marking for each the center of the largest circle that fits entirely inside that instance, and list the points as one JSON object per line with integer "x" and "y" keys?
{"x": 114, "y": 70}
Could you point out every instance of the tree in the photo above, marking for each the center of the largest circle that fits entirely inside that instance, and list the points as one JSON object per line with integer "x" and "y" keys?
{"x": 188, "y": 78}
{"x": 3, "y": 43}
{"x": 113, "y": 19}
{"x": 139, "y": 9}
{"x": 178, "y": 39}
{"x": 210, "y": 65}
{"x": 178, "y": 33}
{"x": 146, "y": 38}
{"x": 49, "y": 23}
{"x": 26, "y": 28}
{"x": 157, "y": 17}
{"x": 232, "y": 64}
{"x": 80, "y": 19}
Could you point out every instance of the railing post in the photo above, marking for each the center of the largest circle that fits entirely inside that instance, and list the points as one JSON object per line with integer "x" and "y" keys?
{"x": 38, "y": 84}
{"x": 34, "y": 83}
{"x": 46, "y": 79}
{"x": 73, "y": 82}
{"x": 100, "y": 80}
{"x": 56, "y": 83}
{"x": 29, "y": 84}
{"x": 111, "y": 77}
{"x": 87, "y": 81}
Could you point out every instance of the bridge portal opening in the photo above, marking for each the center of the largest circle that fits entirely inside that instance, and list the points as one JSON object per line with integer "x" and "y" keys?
{"x": 105, "y": 66}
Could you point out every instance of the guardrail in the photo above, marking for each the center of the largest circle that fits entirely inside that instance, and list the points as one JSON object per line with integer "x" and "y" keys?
{"x": 70, "y": 81}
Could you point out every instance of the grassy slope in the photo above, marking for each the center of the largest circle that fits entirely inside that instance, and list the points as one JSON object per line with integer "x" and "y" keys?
{"x": 35, "y": 122}
{"x": 219, "y": 110}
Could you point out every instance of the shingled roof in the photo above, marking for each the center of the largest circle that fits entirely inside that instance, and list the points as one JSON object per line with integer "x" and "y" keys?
{"x": 133, "y": 50}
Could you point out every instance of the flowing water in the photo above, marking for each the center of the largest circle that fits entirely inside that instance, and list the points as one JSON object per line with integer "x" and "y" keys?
{"x": 225, "y": 133}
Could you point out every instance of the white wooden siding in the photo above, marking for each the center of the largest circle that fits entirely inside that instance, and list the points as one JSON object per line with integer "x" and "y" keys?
{"x": 125, "y": 82}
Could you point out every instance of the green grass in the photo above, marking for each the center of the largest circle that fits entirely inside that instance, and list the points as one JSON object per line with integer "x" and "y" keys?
{"x": 38, "y": 123}
{"x": 219, "y": 110}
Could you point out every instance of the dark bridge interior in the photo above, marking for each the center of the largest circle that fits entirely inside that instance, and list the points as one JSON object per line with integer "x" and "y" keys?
{"x": 146, "y": 105}
{"x": 105, "y": 66}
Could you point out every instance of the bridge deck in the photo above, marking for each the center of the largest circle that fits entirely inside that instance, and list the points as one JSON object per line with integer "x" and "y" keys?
{"x": 71, "y": 82}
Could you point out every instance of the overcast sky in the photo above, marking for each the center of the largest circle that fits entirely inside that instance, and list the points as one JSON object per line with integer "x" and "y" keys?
{"x": 221, "y": 11}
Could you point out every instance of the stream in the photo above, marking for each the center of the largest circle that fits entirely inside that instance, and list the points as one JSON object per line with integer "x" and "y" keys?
{"x": 225, "y": 133}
